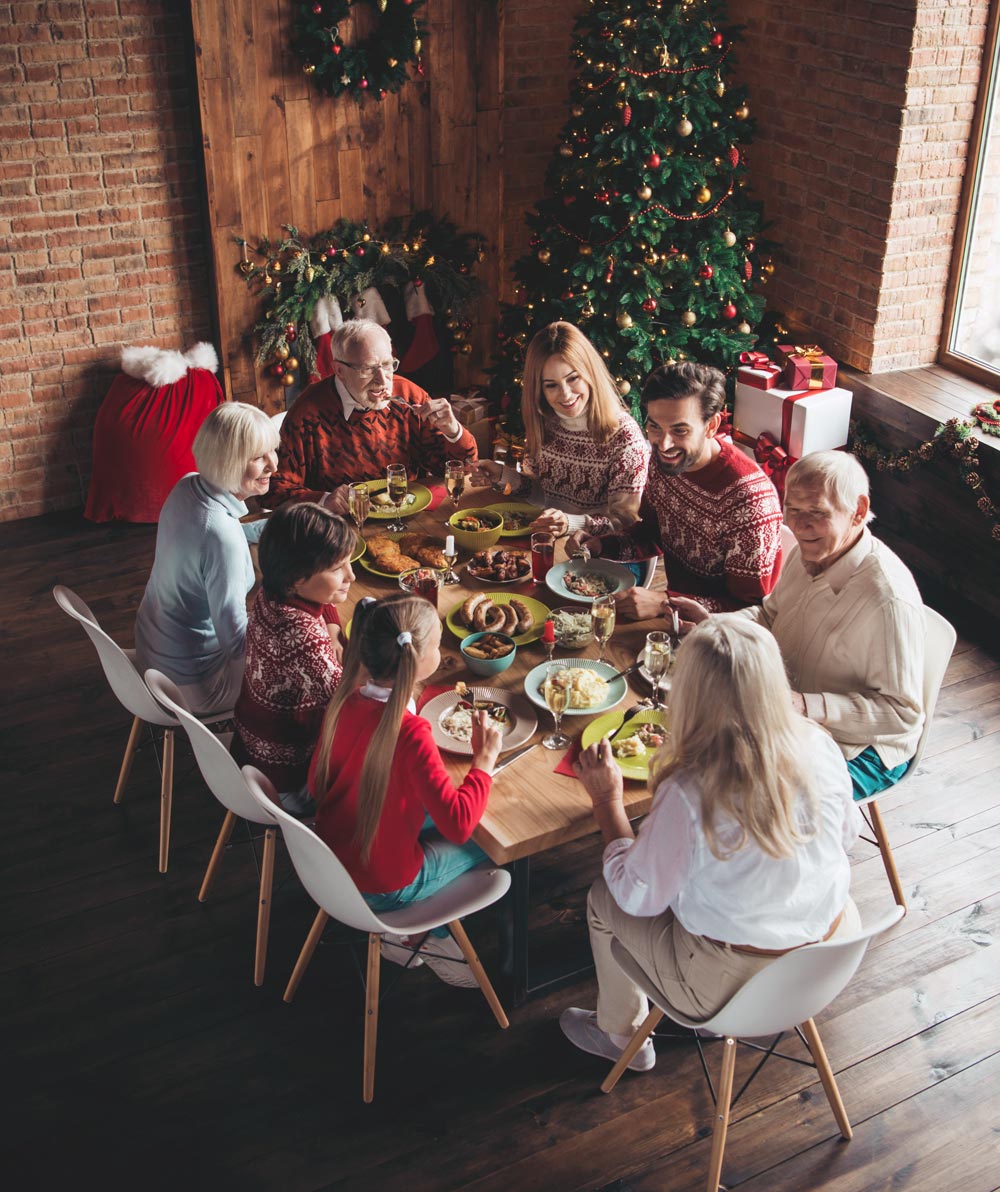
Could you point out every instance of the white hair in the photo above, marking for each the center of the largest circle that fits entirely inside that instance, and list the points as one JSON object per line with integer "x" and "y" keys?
{"x": 353, "y": 333}
{"x": 231, "y": 436}
{"x": 836, "y": 474}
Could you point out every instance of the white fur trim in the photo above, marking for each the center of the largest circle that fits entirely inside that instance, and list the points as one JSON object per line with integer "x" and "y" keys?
{"x": 327, "y": 316}
{"x": 416, "y": 302}
{"x": 162, "y": 366}
{"x": 372, "y": 308}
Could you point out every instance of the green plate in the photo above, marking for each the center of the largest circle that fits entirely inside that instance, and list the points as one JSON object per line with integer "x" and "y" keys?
{"x": 366, "y": 562}
{"x": 422, "y": 498}
{"x": 538, "y": 610}
{"x": 605, "y": 726}
{"x": 359, "y": 550}
{"x": 506, "y": 507}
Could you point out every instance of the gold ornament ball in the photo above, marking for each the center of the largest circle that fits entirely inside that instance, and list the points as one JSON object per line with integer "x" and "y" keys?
{"x": 586, "y": 311}
{"x": 768, "y": 267}
{"x": 650, "y": 258}
{"x": 743, "y": 328}
{"x": 565, "y": 150}
{"x": 466, "y": 349}
{"x": 391, "y": 62}
{"x": 281, "y": 351}
{"x": 576, "y": 110}
{"x": 688, "y": 318}
{"x": 585, "y": 250}
{"x": 308, "y": 69}
{"x": 624, "y": 320}
{"x": 644, "y": 193}
{"x": 544, "y": 255}
{"x": 288, "y": 379}
{"x": 417, "y": 44}
{"x": 729, "y": 237}
{"x": 742, "y": 112}
{"x": 310, "y": 273}
{"x": 684, "y": 127}
{"x": 720, "y": 88}
{"x": 291, "y": 363}
{"x": 624, "y": 388}
{"x": 703, "y": 195}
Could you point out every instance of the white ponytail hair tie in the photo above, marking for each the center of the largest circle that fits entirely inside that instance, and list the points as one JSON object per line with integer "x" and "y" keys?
{"x": 404, "y": 639}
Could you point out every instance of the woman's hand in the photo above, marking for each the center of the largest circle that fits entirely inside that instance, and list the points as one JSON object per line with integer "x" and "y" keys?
{"x": 596, "y": 769}
{"x": 581, "y": 541}
{"x": 487, "y": 737}
{"x": 484, "y": 472}
{"x": 551, "y": 521}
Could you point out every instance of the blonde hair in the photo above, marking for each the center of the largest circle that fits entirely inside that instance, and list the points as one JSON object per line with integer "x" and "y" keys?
{"x": 604, "y": 410}
{"x": 374, "y": 647}
{"x": 836, "y": 474}
{"x": 734, "y": 730}
{"x": 231, "y": 436}
{"x": 355, "y": 333}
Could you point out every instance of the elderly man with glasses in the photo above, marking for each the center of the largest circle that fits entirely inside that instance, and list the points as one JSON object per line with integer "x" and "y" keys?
{"x": 352, "y": 425}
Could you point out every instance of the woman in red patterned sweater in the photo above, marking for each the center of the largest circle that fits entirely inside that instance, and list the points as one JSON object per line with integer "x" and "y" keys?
{"x": 293, "y": 645}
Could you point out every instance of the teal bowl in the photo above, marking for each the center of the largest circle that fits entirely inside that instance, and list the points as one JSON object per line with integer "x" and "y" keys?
{"x": 487, "y": 666}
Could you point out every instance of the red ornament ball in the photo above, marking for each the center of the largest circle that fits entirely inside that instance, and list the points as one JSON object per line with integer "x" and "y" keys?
{"x": 382, "y": 93}
{"x": 359, "y": 251}
{"x": 317, "y": 9}
{"x": 566, "y": 295}
{"x": 706, "y": 271}
{"x": 716, "y": 40}
{"x": 653, "y": 160}
{"x": 363, "y": 84}
{"x": 602, "y": 196}
{"x": 606, "y": 35}
{"x": 734, "y": 156}
{"x": 729, "y": 311}
{"x": 418, "y": 282}
{"x": 292, "y": 335}
{"x": 277, "y": 370}
{"x": 649, "y": 305}
{"x": 627, "y": 115}
{"x": 337, "y": 47}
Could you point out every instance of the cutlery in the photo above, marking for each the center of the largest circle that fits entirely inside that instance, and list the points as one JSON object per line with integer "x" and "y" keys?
{"x": 633, "y": 711}
{"x": 623, "y": 673}
{"x": 512, "y": 757}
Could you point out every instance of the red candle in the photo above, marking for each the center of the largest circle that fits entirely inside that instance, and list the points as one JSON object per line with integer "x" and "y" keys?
{"x": 549, "y": 633}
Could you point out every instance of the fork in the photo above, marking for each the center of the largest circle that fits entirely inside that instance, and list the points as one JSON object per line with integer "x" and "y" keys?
{"x": 632, "y": 712}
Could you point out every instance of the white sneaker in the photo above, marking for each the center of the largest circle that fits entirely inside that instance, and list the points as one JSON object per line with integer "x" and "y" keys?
{"x": 445, "y": 959}
{"x": 399, "y": 950}
{"x": 580, "y": 1027}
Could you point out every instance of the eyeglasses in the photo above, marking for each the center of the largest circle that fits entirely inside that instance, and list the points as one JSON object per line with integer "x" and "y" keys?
{"x": 367, "y": 371}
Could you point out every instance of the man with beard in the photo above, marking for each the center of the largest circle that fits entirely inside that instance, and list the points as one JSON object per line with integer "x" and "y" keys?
{"x": 351, "y": 425}
{"x": 709, "y": 509}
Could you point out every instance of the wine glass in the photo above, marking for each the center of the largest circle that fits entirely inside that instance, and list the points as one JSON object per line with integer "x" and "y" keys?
{"x": 454, "y": 480}
{"x": 500, "y": 454}
{"x": 555, "y": 689}
{"x": 358, "y": 503}
{"x": 602, "y": 621}
{"x": 658, "y": 654}
{"x": 398, "y": 486}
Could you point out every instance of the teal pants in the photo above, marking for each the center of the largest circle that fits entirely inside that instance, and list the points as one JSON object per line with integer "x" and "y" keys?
{"x": 869, "y": 774}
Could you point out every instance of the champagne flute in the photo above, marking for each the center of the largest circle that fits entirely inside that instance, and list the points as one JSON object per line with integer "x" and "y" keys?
{"x": 358, "y": 503}
{"x": 555, "y": 689}
{"x": 454, "y": 480}
{"x": 602, "y": 621}
{"x": 397, "y": 487}
{"x": 658, "y": 654}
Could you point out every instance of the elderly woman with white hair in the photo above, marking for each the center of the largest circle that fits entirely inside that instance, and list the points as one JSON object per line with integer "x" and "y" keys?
{"x": 848, "y": 618}
{"x": 192, "y": 620}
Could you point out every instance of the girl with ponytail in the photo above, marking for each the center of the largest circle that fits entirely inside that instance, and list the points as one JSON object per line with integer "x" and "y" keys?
{"x": 386, "y": 805}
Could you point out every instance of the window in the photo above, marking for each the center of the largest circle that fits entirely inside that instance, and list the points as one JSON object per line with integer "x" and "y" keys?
{"x": 970, "y": 341}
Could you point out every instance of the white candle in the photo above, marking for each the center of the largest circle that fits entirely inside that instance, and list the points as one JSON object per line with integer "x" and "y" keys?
{"x": 449, "y": 545}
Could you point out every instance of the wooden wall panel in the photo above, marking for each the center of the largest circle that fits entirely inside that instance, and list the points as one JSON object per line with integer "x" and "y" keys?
{"x": 277, "y": 151}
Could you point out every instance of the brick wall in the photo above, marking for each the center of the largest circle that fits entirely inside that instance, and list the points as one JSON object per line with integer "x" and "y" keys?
{"x": 100, "y": 215}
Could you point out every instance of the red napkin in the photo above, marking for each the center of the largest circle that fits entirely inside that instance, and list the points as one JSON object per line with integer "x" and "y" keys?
{"x": 568, "y": 758}
{"x": 429, "y": 693}
{"x": 438, "y": 494}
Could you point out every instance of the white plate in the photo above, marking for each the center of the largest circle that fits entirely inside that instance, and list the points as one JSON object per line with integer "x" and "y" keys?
{"x": 665, "y": 680}
{"x": 523, "y": 721}
{"x": 622, "y": 576}
{"x": 534, "y": 679}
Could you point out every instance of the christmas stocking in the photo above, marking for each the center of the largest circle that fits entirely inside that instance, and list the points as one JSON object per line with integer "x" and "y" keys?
{"x": 369, "y": 305}
{"x": 327, "y": 317}
{"x": 424, "y": 345}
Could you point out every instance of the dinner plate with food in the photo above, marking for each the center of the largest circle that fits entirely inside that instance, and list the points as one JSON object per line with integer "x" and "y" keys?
{"x": 497, "y": 565}
{"x": 517, "y": 517}
{"x": 521, "y": 617}
{"x": 632, "y": 743}
{"x": 392, "y": 554}
{"x": 382, "y": 508}
{"x": 586, "y": 579}
{"x": 587, "y": 680}
{"x": 450, "y": 716}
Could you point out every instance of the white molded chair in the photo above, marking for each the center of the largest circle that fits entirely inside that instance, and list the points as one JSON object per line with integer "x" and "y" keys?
{"x": 228, "y": 785}
{"x": 785, "y": 996}
{"x": 133, "y": 694}
{"x": 939, "y": 641}
{"x": 788, "y": 543}
{"x": 330, "y": 886}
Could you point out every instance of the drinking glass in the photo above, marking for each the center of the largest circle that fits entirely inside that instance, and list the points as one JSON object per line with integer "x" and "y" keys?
{"x": 422, "y": 581}
{"x": 358, "y": 503}
{"x": 398, "y": 486}
{"x": 658, "y": 657}
{"x": 454, "y": 480}
{"x": 500, "y": 452}
{"x": 555, "y": 689}
{"x": 602, "y": 621}
{"x": 543, "y": 555}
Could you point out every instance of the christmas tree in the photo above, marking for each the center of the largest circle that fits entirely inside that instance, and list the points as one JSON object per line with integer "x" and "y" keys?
{"x": 646, "y": 239}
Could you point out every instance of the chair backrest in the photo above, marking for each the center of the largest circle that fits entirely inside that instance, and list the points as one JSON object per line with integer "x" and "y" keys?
{"x": 326, "y": 880}
{"x": 119, "y": 669}
{"x": 795, "y": 987}
{"x": 216, "y": 763}
{"x": 939, "y": 641}
{"x": 788, "y": 543}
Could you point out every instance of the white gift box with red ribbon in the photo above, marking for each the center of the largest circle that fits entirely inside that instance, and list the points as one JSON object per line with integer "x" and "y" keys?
{"x": 757, "y": 370}
{"x": 800, "y": 420}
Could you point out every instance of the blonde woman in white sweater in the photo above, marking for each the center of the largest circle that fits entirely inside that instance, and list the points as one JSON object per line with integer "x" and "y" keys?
{"x": 848, "y": 618}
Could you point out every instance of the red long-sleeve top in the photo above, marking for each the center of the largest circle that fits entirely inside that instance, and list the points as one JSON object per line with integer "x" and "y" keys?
{"x": 418, "y": 785}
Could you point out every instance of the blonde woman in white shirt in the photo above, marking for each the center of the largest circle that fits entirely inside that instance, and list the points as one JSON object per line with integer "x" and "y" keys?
{"x": 743, "y": 856}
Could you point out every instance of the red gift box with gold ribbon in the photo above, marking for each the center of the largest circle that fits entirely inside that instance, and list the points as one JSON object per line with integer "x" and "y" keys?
{"x": 807, "y": 367}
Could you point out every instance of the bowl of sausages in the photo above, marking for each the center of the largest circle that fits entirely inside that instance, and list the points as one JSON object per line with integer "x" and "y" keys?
{"x": 488, "y": 653}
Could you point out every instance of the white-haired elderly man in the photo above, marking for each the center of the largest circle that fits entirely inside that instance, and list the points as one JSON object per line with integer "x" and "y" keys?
{"x": 848, "y": 617}
{"x": 352, "y": 425}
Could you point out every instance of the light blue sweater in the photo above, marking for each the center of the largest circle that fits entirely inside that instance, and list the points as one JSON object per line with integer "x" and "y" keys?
{"x": 193, "y": 616}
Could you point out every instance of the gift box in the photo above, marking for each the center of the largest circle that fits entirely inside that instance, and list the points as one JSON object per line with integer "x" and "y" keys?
{"x": 469, "y": 410}
{"x": 807, "y": 367}
{"x": 801, "y": 421}
{"x": 757, "y": 370}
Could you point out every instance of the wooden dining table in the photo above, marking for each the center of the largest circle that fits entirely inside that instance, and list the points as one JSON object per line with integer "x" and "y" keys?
{"x": 531, "y": 808}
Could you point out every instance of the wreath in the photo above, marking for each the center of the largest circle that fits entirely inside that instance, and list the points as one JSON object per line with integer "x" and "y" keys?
{"x": 374, "y": 66}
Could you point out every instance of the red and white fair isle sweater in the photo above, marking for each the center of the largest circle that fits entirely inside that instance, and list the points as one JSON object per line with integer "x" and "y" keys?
{"x": 290, "y": 674}
{"x": 719, "y": 529}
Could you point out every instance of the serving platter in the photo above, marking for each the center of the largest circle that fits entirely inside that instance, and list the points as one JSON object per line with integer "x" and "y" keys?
{"x": 535, "y": 678}
{"x": 489, "y": 579}
{"x": 616, "y": 572}
{"x": 606, "y": 726}
{"x": 538, "y": 610}
{"x": 523, "y": 721}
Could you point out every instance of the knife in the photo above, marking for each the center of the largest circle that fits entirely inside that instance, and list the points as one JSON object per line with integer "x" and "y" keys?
{"x": 622, "y": 673}
{"x": 512, "y": 757}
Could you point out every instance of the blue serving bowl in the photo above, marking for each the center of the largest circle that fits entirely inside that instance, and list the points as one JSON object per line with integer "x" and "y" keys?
{"x": 487, "y": 666}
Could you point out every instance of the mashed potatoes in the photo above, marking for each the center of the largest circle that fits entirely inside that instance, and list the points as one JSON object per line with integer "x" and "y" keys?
{"x": 586, "y": 689}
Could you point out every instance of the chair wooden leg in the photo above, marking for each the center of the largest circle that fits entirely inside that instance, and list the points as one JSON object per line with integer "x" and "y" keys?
{"x": 264, "y": 906}
{"x": 166, "y": 796}
{"x": 228, "y": 823}
{"x": 308, "y": 948}
{"x": 878, "y": 827}
{"x": 808, "y": 1029}
{"x": 646, "y": 1028}
{"x": 474, "y": 963}
{"x": 371, "y": 1014}
{"x": 130, "y": 748}
{"x": 723, "y": 1098}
